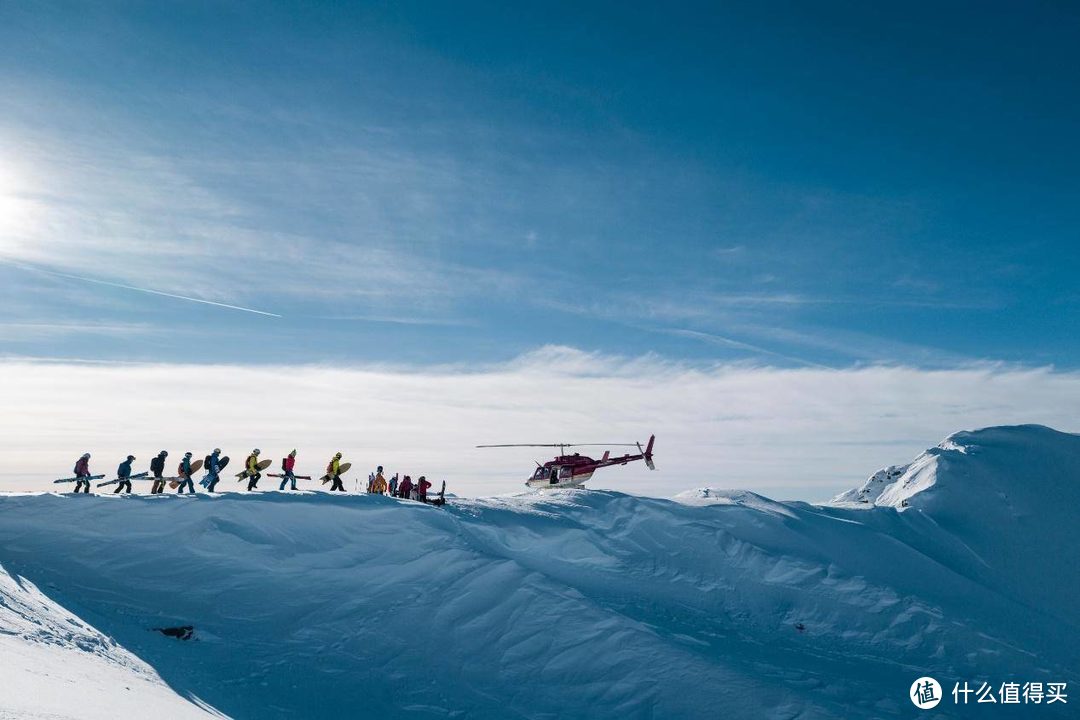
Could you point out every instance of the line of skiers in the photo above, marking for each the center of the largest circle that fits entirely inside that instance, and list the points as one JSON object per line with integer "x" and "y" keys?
{"x": 213, "y": 463}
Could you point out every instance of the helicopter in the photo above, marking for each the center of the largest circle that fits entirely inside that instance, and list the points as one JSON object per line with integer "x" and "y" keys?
{"x": 571, "y": 471}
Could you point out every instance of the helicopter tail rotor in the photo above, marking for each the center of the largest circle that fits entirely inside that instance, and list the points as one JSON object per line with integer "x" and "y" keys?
{"x": 647, "y": 452}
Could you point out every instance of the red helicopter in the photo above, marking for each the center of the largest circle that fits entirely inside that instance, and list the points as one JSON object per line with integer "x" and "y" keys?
{"x": 571, "y": 471}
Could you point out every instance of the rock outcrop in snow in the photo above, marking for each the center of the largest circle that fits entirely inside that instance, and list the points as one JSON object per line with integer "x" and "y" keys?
{"x": 585, "y": 604}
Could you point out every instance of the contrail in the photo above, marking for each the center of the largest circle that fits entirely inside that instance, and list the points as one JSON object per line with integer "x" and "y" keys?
{"x": 144, "y": 290}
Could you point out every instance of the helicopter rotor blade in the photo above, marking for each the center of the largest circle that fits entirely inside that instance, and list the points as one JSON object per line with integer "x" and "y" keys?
{"x": 561, "y": 445}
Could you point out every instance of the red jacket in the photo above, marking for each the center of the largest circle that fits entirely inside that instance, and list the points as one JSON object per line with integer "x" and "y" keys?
{"x": 422, "y": 487}
{"x": 288, "y": 463}
{"x": 82, "y": 468}
{"x": 405, "y": 487}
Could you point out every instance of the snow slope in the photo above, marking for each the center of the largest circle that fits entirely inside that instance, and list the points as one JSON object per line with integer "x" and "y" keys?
{"x": 585, "y": 604}
{"x": 56, "y": 666}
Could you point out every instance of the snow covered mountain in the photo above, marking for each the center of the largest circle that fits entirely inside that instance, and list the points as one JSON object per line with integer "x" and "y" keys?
{"x": 961, "y": 565}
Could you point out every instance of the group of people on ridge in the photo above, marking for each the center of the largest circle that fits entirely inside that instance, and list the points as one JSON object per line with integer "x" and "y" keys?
{"x": 213, "y": 463}
{"x": 405, "y": 488}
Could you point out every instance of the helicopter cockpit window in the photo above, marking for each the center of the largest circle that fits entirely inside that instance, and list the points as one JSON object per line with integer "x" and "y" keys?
{"x": 565, "y": 473}
{"x": 540, "y": 473}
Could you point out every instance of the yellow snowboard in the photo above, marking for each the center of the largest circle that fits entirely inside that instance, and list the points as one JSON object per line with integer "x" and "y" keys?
{"x": 342, "y": 469}
{"x": 263, "y": 464}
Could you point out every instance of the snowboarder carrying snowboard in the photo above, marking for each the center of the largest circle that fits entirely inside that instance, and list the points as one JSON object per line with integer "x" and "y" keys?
{"x": 213, "y": 466}
{"x": 334, "y": 471}
{"x": 288, "y": 464}
{"x": 124, "y": 474}
{"x": 82, "y": 473}
{"x": 251, "y": 469}
{"x": 157, "y": 467}
{"x": 185, "y": 475}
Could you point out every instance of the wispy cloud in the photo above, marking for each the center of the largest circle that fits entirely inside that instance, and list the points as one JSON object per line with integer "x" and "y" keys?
{"x": 812, "y": 431}
{"x": 148, "y": 291}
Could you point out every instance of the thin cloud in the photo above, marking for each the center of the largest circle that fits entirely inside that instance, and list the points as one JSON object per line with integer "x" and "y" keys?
{"x": 145, "y": 290}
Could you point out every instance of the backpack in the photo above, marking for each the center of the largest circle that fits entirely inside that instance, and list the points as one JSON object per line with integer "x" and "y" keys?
{"x": 283, "y": 468}
{"x": 206, "y": 463}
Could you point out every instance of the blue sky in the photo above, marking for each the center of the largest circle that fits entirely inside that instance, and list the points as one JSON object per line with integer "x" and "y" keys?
{"x": 796, "y": 241}
{"x": 837, "y": 184}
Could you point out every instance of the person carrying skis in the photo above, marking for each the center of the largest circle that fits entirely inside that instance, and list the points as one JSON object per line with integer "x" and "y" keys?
{"x": 157, "y": 467}
{"x": 82, "y": 473}
{"x": 422, "y": 486}
{"x": 184, "y": 471}
{"x": 251, "y": 469}
{"x": 379, "y": 485}
{"x": 334, "y": 471}
{"x": 405, "y": 489}
{"x": 213, "y": 466}
{"x": 124, "y": 473}
{"x": 288, "y": 464}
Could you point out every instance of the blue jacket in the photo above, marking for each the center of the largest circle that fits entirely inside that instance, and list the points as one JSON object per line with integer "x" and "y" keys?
{"x": 124, "y": 470}
{"x": 185, "y": 467}
{"x": 214, "y": 467}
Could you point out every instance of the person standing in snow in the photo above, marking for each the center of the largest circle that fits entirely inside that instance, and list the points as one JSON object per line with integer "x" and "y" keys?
{"x": 251, "y": 469}
{"x": 288, "y": 465}
{"x": 334, "y": 471}
{"x": 124, "y": 473}
{"x": 393, "y": 485}
{"x": 378, "y": 487}
{"x": 157, "y": 467}
{"x": 185, "y": 475}
{"x": 422, "y": 486}
{"x": 213, "y": 467}
{"x": 405, "y": 488}
{"x": 82, "y": 473}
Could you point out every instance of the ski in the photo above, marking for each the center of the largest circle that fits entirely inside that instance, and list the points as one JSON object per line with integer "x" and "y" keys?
{"x": 90, "y": 477}
{"x": 137, "y": 476}
{"x": 281, "y": 475}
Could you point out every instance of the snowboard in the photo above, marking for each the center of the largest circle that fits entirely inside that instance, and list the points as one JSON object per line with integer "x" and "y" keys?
{"x": 195, "y": 466}
{"x": 91, "y": 477}
{"x": 222, "y": 462}
{"x": 262, "y": 465}
{"x": 342, "y": 469}
{"x": 136, "y": 476}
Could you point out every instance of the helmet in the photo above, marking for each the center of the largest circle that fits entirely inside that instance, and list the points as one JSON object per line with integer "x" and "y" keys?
{"x": 187, "y": 454}
{"x": 217, "y": 451}
{"x": 255, "y": 451}
{"x": 131, "y": 457}
{"x": 86, "y": 456}
{"x": 337, "y": 455}
{"x": 379, "y": 469}
{"x": 293, "y": 453}
{"x": 164, "y": 453}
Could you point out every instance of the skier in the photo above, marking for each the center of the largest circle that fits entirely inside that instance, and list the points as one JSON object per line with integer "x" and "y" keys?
{"x": 251, "y": 469}
{"x": 379, "y": 485}
{"x": 393, "y": 485}
{"x": 405, "y": 488}
{"x": 287, "y": 464}
{"x": 82, "y": 473}
{"x": 212, "y": 466}
{"x": 185, "y": 475}
{"x": 422, "y": 486}
{"x": 157, "y": 467}
{"x": 124, "y": 473}
{"x": 334, "y": 471}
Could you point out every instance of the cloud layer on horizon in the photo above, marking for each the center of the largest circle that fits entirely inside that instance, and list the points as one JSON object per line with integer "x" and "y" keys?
{"x": 803, "y": 433}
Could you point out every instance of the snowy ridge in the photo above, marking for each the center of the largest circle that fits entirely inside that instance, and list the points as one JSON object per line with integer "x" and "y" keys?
{"x": 584, "y": 604}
